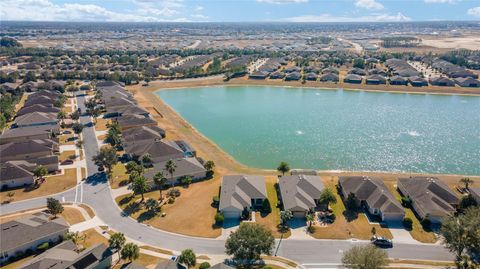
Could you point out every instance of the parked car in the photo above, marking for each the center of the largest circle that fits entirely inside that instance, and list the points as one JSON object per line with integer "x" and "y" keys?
{"x": 381, "y": 241}
{"x": 67, "y": 132}
{"x": 66, "y": 162}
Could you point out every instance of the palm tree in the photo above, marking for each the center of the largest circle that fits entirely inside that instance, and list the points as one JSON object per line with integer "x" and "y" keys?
{"x": 140, "y": 186}
{"x": 170, "y": 167}
{"x": 327, "y": 197}
{"x": 160, "y": 181}
{"x": 116, "y": 242}
{"x": 130, "y": 251}
{"x": 310, "y": 220}
{"x": 76, "y": 238}
{"x": 466, "y": 181}
{"x": 147, "y": 160}
{"x": 283, "y": 168}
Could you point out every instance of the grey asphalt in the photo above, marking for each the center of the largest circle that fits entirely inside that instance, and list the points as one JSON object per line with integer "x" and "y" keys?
{"x": 96, "y": 193}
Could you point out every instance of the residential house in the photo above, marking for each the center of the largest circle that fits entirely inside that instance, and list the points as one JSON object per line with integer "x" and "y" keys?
{"x": 28, "y": 150}
{"x": 294, "y": 76}
{"x": 169, "y": 264}
{"x": 352, "y": 78}
{"x": 29, "y": 133}
{"x": 258, "y": 75}
{"x": 467, "y": 82}
{"x": 357, "y": 71}
{"x": 37, "y": 108}
{"x": 430, "y": 197}
{"x": 375, "y": 80}
{"x": 277, "y": 75}
{"x": 142, "y": 133}
{"x": 311, "y": 76}
{"x": 398, "y": 80}
{"x": 331, "y": 77}
{"x": 442, "y": 81}
{"x": 190, "y": 166}
{"x": 300, "y": 193}
{"x": 240, "y": 192}
{"x": 134, "y": 121}
{"x": 417, "y": 81}
{"x": 373, "y": 195}
{"x": 159, "y": 150}
{"x": 13, "y": 175}
{"x": 27, "y": 233}
{"x": 66, "y": 256}
{"x": 36, "y": 119}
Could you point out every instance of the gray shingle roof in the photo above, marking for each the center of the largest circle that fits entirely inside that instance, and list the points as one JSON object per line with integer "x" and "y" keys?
{"x": 64, "y": 256}
{"x": 300, "y": 192}
{"x": 169, "y": 264}
{"x": 373, "y": 191}
{"x": 238, "y": 190}
{"x": 27, "y": 147}
{"x": 185, "y": 167}
{"x": 37, "y": 108}
{"x": 28, "y": 229}
{"x": 156, "y": 148}
{"x": 29, "y": 131}
{"x": 36, "y": 118}
{"x": 143, "y": 133}
{"x": 134, "y": 120}
{"x": 430, "y": 194}
{"x": 11, "y": 170}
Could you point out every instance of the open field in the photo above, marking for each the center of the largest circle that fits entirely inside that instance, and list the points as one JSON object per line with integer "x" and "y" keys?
{"x": 52, "y": 184}
{"x": 469, "y": 42}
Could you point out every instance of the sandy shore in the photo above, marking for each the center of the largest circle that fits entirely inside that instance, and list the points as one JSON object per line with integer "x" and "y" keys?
{"x": 179, "y": 128}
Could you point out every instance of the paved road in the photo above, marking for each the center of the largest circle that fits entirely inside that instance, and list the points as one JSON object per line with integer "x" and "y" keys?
{"x": 96, "y": 193}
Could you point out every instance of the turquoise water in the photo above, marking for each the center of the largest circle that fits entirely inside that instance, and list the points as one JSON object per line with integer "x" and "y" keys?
{"x": 335, "y": 129}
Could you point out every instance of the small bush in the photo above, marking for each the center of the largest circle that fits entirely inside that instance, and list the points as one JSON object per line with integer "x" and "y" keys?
{"x": 204, "y": 265}
{"x": 43, "y": 247}
{"x": 406, "y": 202}
{"x": 215, "y": 200}
{"x": 408, "y": 223}
{"x": 266, "y": 208}
{"x": 219, "y": 218}
{"x": 426, "y": 223}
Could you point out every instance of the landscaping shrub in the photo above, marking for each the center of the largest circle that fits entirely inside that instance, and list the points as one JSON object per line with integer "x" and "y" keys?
{"x": 43, "y": 247}
{"x": 406, "y": 202}
{"x": 408, "y": 223}
{"x": 204, "y": 265}
{"x": 174, "y": 192}
{"x": 219, "y": 218}
{"x": 216, "y": 200}
{"x": 426, "y": 223}
{"x": 266, "y": 208}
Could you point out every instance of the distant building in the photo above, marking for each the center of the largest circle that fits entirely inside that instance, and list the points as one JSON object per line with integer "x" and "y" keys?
{"x": 467, "y": 82}
{"x": 184, "y": 167}
{"x": 352, "y": 78}
{"x": 442, "y": 81}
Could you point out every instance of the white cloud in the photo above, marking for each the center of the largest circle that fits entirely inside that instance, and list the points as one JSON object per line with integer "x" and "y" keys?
{"x": 475, "y": 11}
{"x": 440, "y": 1}
{"x": 45, "y": 10}
{"x": 399, "y": 17}
{"x": 281, "y": 2}
{"x": 368, "y": 4}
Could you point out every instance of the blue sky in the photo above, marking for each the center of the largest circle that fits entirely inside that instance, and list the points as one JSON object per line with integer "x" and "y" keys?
{"x": 240, "y": 10}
